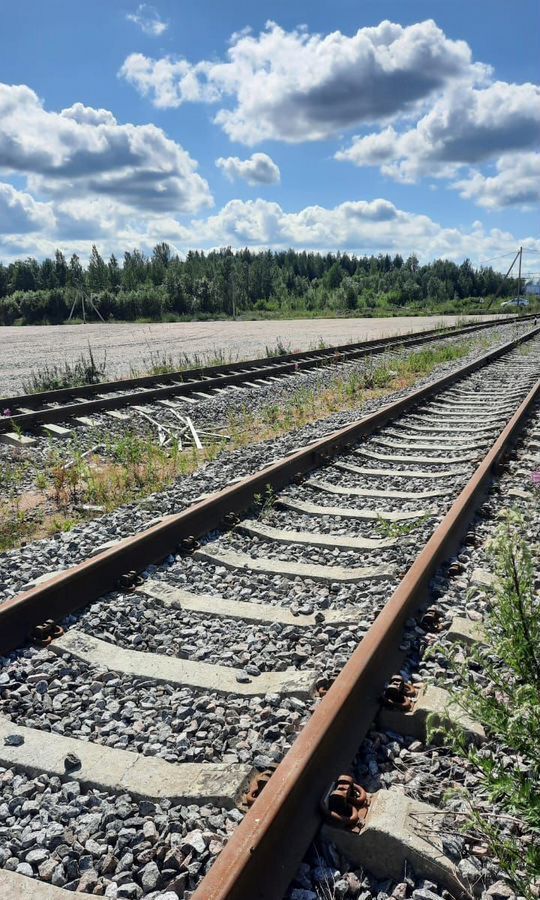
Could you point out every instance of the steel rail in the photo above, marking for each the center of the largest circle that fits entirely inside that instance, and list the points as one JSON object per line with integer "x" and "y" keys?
{"x": 83, "y": 583}
{"x": 260, "y": 859}
{"x": 148, "y": 388}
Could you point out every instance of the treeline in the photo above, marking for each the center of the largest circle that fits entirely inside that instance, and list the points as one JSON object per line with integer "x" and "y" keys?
{"x": 226, "y": 283}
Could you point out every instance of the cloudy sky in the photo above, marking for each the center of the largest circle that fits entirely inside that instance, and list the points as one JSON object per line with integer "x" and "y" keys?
{"x": 360, "y": 125}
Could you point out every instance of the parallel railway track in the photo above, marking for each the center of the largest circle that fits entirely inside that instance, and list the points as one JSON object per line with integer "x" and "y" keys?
{"x": 284, "y": 595}
{"x": 28, "y": 412}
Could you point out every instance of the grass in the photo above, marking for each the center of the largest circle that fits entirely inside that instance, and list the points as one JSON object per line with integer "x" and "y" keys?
{"x": 280, "y": 348}
{"x": 161, "y": 362}
{"x": 129, "y": 468}
{"x": 14, "y": 523}
{"x": 85, "y": 370}
{"x": 349, "y": 392}
{"x": 421, "y": 362}
{"x": 506, "y": 700}
{"x": 400, "y": 529}
{"x": 158, "y": 362}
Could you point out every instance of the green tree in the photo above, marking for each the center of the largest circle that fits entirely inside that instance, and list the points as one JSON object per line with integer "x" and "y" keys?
{"x": 333, "y": 277}
{"x": 135, "y": 270}
{"x": 114, "y": 274}
{"x": 75, "y": 278}
{"x": 97, "y": 273}
{"x": 60, "y": 269}
{"x": 46, "y": 274}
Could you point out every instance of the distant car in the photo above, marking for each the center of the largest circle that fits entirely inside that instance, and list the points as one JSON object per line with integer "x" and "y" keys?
{"x": 517, "y": 301}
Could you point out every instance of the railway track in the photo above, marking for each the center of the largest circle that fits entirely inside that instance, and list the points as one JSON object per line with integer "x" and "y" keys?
{"x": 195, "y": 655}
{"x": 432, "y": 827}
{"x": 55, "y": 412}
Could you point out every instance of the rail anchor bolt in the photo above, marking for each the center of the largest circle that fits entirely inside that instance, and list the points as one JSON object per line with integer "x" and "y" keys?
{"x": 432, "y": 620}
{"x": 346, "y": 804}
{"x": 189, "y": 544}
{"x": 399, "y": 694}
{"x": 129, "y": 581}
{"x": 43, "y": 634}
{"x": 257, "y": 785}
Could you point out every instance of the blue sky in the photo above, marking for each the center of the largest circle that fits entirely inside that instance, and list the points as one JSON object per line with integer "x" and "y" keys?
{"x": 361, "y": 126}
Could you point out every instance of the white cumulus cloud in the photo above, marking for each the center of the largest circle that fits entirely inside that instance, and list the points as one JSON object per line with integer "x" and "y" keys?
{"x": 297, "y": 86}
{"x": 517, "y": 183}
{"x": 356, "y": 226}
{"x": 466, "y": 126}
{"x": 148, "y": 20}
{"x": 85, "y": 152}
{"x": 20, "y": 213}
{"x": 259, "y": 168}
{"x": 169, "y": 82}
{"x": 87, "y": 115}
{"x": 438, "y": 111}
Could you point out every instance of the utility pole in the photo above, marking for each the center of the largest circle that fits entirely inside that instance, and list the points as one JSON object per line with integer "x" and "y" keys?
{"x": 519, "y": 272}
{"x": 499, "y": 289}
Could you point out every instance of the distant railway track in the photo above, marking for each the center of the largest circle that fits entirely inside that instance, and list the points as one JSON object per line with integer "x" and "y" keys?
{"x": 27, "y": 412}
{"x": 365, "y": 514}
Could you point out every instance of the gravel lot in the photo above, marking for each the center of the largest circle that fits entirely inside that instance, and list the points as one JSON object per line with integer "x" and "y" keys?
{"x": 22, "y": 350}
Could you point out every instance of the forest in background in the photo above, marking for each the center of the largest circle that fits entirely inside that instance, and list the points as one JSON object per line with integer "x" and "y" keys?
{"x": 244, "y": 283}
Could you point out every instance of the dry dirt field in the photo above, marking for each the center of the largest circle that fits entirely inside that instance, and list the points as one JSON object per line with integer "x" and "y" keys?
{"x": 25, "y": 349}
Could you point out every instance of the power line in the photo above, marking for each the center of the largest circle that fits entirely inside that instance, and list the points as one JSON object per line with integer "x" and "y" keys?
{"x": 500, "y": 256}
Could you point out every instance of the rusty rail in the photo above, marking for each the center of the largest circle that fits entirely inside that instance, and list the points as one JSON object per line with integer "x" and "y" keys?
{"x": 83, "y": 583}
{"x": 261, "y": 857}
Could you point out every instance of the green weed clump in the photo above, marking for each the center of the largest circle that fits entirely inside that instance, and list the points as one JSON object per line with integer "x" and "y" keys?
{"x": 85, "y": 370}
{"x": 280, "y": 348}
{"x": 125, "y": 470}
{"x": 162, "y": 362}
{"x": 158, "y": 362}
{"x": 506, "y": 700}
{"x": 130, "y": 468}
{"x": 265, "y": 501}
{"x": 421, "y": 362}
{"x": 14, "y": 524}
